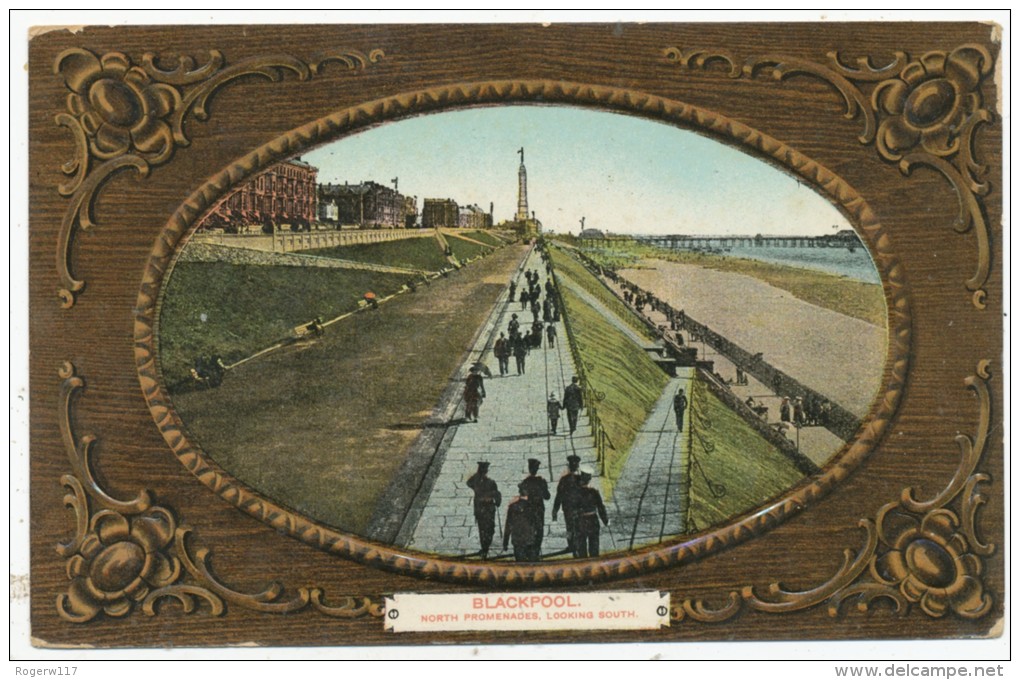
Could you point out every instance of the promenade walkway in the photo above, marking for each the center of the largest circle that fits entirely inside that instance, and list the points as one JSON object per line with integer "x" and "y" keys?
{"x": 648, "y": 498}
{"x": 512, "y": 427}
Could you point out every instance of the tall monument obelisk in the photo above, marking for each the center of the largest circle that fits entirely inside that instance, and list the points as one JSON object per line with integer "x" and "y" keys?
{"x": 522, "y": 190}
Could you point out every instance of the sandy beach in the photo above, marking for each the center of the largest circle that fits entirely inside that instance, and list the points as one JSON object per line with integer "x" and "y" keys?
{"x": 834, "y": 354}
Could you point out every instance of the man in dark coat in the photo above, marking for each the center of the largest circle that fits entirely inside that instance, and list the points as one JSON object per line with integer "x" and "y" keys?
{"x": 520, "y": 347}
{"x": 487, "y": 499}
{"x": 520, "y": 528}
{"x": 502, "y": 352}
{"x": 573, "y": 402}
{"x": 679, "y": 406}
{"x": 550, "y": 335}
{"x": 474, "y": 392}
{"x": 537, "y": 491}
{"x": 513, "y": 291}
{"x": 590, "y": 509}
{"x": 536, "y": 335}
{"x": 567, "y": 492}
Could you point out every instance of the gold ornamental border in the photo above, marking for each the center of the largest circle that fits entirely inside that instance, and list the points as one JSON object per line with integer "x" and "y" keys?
{"x": 507, "y": 92}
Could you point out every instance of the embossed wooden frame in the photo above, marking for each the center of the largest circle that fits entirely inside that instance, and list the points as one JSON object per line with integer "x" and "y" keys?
{"x": 719, "y": 73}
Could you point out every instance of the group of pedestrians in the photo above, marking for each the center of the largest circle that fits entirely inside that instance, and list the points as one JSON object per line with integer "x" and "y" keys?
{"x": 584, "y": 512}
{"x": 813, "y": 411}
{"x": 525, "y": 521}
{"x": 517, "y": 341}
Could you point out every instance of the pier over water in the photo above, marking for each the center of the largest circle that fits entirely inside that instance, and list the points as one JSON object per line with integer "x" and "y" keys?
{"x": 846, "y": 238}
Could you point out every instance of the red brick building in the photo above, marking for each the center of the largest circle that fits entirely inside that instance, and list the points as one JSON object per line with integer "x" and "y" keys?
{"x": 285, "y": 194}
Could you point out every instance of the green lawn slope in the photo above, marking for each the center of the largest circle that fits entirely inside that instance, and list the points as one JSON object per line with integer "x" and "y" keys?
{"x": 731, "y": 468}
{"x": 422, "y": 253}
{"x": 465, "y": 250}
{"x": 565, "y": 264}
{"x": 485, "y": 237}
{"x": 216, "y": 308}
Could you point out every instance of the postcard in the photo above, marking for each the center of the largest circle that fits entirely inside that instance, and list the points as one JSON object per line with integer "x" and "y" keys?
{"x": 405, "y": 334}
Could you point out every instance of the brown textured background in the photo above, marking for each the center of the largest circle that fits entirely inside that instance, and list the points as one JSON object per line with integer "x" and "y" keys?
{"x": 950, "y": 336}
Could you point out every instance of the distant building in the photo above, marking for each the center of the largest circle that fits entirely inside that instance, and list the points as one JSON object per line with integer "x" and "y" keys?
{"x": 285, "y": 194}
{"x": 473, "y": 217}
{"x": 369, "y": 205}
{"x": 440, "y": 212}
{"x": 328, "y": 212}
{"x": 592, "y": 234}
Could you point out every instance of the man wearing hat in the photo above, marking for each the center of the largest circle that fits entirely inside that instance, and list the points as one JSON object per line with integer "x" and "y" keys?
{"x": 573, "y": 402}
{"x": 567, "y": 493}
{"x": 590, "y": 509}
{"x": 521, "y": 528}
{"x": 487, "y": 499}
{"x": 474, "y": 392}
{"x": 553, "y": 408}
{"x": 536, "y": 489}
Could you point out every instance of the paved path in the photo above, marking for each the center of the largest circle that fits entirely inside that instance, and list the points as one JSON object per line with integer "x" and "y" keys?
{"x": 647, "y": 499}
{"x": 512, "y": 428}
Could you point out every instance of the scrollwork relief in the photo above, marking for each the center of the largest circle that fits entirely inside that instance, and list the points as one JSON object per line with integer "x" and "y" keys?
{"x": 126, "y": 115}
{"x": 128, "y": 555}
{"x": 926, "y": 554}
{"x": 923, "y": 111}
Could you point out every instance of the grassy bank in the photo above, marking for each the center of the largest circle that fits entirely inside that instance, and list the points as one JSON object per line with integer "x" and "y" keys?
{"x": 565, "y": 264}
{"x": 422, "y": 253}
{"x": 865, "y": 301}
{"x": 323, "y": 429}
{"x": 215, "y": 308}
{"x": 485, "y": 237}
{"x": 632, "y": 383}
{"x": 465, "y": 250}
{"x": 747, "y": 469}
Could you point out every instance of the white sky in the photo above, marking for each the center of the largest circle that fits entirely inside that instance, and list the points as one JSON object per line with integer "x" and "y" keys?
{"x": 622, "y": 173}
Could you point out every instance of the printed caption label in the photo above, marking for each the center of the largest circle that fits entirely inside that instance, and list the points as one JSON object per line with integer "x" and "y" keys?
{"x": 620, "y": 610}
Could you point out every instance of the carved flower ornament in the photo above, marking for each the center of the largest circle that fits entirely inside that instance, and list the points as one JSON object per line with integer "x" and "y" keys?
{"x": 119, "y": 107}
{"x": 930, "y": 101}
{"x": 119, "y": 562}
{"x": 931, "y": 562}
